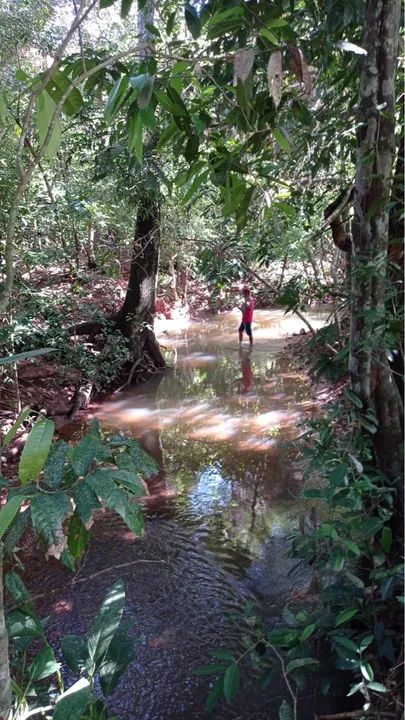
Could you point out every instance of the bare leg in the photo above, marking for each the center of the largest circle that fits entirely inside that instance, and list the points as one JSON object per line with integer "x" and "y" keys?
{"x": 251, "y": 340}
{"x": 240, "y": 336}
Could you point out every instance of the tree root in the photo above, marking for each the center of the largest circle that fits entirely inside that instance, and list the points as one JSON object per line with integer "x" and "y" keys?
{"x": 81, "y": 399}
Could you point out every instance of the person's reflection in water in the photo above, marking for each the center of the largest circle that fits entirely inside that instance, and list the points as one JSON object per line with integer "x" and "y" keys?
{"x": 247, "y": 374}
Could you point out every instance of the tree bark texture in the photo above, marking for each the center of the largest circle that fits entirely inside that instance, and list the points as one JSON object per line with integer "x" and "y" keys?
{"x": 136, "y": 316}
{"x": 370, "y": 374}
{"x": 5, "y": 683}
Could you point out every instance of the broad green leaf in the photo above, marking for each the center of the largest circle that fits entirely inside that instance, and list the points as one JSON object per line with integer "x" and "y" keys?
{"x": 282, "y": 140}
{"x": 10, "y": 435}
{"x": 345, "y": 615}
{"x": 231, "y": 682}
{"x": 167, "y": 134}
{"x": 21, "y": 624}
{"x": 45, "y": 117}
{"x": 138, "y": 82}
{"x": 377, "y": 687}
{"x": 367, "y": 671}
{"x": 386, "y": 539}
{"x": 55, "y": 464}
{"x": 48, "y": 512}
{"x": 18, "y": 357}
{"x": 212, "y": 669}
{"x": 368, "y": 424}
{"x": 116, "y": 97}
{"x": 307, "y": 632}
{"x": 135, "y": 136}
{"x": 43, "y": 665}
{"x": 78, "y": 537}
{"x": 86, "y": 502}
{"x": 170, "y": 23}
{"x": 17, "y": 588}
{"x": 264, "y": 32}
{"x": 75, "y": 652}
{"x": 277, "y": 23}
{"x": 106, "y": 3}
{"x": 144, "y": 463}
{"x": 192, "y": 21}
{"x": 146, "y": 93}
{"x": 215, "y": 694}
{"x": 35, "y": 451}
{"x": 8, "y": 513}
{"x": 329, "y": 531}
{"x": 58, "y": 86}
{"x": 125, "y": 7}
{"x": 300, "y": 663}
{"x": 84, "y": 454}
{"x": 16, "y": 529}
{"x": 313, "y": 494}
{"x": 106, "y": 624}
{"x": 354, "y": 398}
{"x": 285, "y": 712}
{"x": 337, "y": 559}
{"x": 223, "y": 654}
{"x": 120, "y": 654}
{"x": 169, "y": 105}
{"x": 72, "y": 703}
{"x": 118, "y": 500}
{"x": 346, "y": 643}
{"x": 152, "y": 29}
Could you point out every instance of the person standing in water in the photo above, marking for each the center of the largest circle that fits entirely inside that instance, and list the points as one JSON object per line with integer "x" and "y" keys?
{"x": 247, "y": 316}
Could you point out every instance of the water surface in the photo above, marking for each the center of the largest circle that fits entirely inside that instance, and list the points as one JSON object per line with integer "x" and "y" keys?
{"x": 222, "y": 423}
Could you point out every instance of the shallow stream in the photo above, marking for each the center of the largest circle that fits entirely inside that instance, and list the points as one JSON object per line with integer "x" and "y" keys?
{"x": 222, "y": 422}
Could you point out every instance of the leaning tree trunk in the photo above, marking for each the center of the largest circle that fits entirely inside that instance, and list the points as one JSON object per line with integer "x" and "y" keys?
{"x": 370, "y": 374}
{"x": 136, "y": 316}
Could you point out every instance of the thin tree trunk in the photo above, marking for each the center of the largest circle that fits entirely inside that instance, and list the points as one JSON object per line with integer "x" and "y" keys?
{"x": 283, "y": 269}
{"x": 91, "y": 258}
{"x": 370, "y": 374}
{"x": 173, "y": 277}
{"x": 5, "y": 682}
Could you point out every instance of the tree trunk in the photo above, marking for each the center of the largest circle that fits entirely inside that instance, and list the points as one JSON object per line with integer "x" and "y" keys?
{"x": 370, "y": 374}
{"x": 91, "y": 258}
{"x": 5, "y": 683}
{"x": 135, "y": 318}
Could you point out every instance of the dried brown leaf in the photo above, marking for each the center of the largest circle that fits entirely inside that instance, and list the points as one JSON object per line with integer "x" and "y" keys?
{"x": 301, "y": 70}
{"x": 275, "y": 77}
{"x": 243, "y": 64}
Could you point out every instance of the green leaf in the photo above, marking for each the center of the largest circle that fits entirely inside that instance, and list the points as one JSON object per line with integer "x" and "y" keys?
{"x": 86, "y": 502}
{"x": 84, "y": 454}
{"x": 307, "y": 632}
{"x": 58, "y": 86}
{"x": 8, "y": 513}
{"x": 231, "y": 682}
{"x": 105, "y": 624}
{"x": 285, "y": 712}
{"x": 345, "y": 615}
{"x": 215, "y": 694}
{"x": 72, "y": 703}
{"x": 277, "y": 23}
{"x": 357, "y": 402}
{"x": 281, "y": 139}
{"x": 48, "y": 513}
{"x": 328, "y": 531}
{"x": 170, "y": 23}
{"x": 367, "y": 671}
{"x": 264, "y": 32}
{"x": 386, "y": 539}
{"x": 55, "y": 464}
{"x": 78, "y": 537}
{"x": 167, "y": 134}
{"x": 125, "y": 7}
{"x": 75, "y": 652}
{"x": 17, "y": 589}
{"x": 337, "y": 559}
{"x": 313, "y": 494}
{"x": 45, "y": 113}
{"x": 300, "y": 663}
{"x": 21, "y": 624}
{"x": 16, "y": 529}
{"x": 193, "y": 21}
{"x": 4, "y": 107}
{"x": 223, "y": 654}
{"x": 120, "y": 654}
{"x": 346, "y": 643}
{"x": 144, "y": 463}
{"x": 43, "y": 665}
{"x": 18, "y": 357}
{"x": 10, "y": 435}
{"x": 35, "y": 451}
{"x": 169, "y": 105}
{"x": 213, "y": 669}
{"x": 106, "y": 3}
{"x": 196, "y": 184}
{"x": 377, "y": 687}
{"x": 367, "y": 424}
{"x": 146, "y": 93}
{"x": 136, "y": 143}
{"x": 116, "y": 97}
